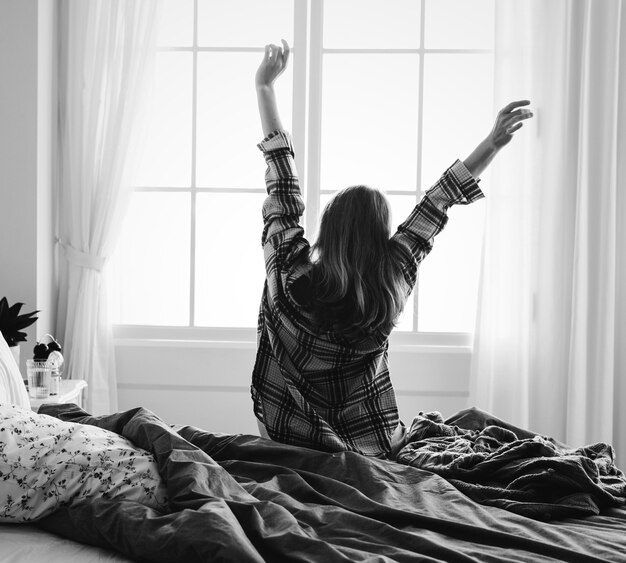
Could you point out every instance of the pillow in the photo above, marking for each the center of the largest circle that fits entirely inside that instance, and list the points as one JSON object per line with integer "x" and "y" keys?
{"x": 46, "y": 463}
{"x": 12, "y": 388}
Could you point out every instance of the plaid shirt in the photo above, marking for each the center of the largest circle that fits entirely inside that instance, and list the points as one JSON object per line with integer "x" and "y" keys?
{"x": 317, "y": 389}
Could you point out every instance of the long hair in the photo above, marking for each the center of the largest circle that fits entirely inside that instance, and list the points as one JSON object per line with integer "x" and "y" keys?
{"x": 356, "y": 287}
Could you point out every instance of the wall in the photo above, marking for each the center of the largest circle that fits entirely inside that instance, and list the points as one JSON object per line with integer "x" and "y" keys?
{"x": 207, "y": 384}
{"x": 27, "y": 101}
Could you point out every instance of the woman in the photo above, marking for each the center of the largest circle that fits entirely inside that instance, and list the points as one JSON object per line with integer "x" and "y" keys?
{"x": 321, "y": 377}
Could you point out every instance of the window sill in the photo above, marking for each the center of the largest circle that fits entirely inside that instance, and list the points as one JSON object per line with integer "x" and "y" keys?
{"x": 245, "y": 338}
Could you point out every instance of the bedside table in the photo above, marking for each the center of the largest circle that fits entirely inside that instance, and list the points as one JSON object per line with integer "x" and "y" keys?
{"x": 70, "y": 391}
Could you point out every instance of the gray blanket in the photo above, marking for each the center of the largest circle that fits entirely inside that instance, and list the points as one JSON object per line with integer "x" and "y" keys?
{"x": 243, "y": 498}
{"x": 533, "y": 476}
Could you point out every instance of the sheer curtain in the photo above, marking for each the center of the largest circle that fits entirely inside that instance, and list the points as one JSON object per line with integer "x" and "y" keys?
{"x": 106, "y": 48}
{"x": 550, "y": 341}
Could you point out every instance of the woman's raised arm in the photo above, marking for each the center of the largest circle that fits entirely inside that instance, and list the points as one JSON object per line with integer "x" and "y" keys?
{"x": 271, "y": 67}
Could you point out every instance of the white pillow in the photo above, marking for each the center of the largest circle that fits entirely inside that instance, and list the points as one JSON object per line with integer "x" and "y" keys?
{"x": 46, "y": 463}
{"x": 12, "y": 388}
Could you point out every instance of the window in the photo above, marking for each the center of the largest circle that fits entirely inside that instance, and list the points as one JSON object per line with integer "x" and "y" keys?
{"x": 386, "y": 93}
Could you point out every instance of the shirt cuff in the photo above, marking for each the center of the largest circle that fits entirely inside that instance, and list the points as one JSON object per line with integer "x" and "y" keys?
{"x": 466, "y": 183}
{"x": 276, "y": 140}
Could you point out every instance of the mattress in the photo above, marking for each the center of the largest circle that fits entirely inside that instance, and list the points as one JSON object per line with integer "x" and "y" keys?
{"x": 23, "y": 543}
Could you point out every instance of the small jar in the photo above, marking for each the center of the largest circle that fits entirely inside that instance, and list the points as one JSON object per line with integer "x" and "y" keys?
{"x": 55, "y": 382}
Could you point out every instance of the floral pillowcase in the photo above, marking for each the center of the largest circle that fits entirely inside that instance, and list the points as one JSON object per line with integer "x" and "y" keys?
{"x": 46, "y": 463}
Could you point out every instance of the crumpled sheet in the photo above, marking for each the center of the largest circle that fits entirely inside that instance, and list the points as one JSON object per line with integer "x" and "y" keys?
{"x": 535, "y": 477}
{"x": 243, "y": 498}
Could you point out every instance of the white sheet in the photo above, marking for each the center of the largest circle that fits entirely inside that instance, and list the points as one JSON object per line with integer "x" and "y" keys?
{"x": 12, "y": 390}
{"x": 24, "y": 543}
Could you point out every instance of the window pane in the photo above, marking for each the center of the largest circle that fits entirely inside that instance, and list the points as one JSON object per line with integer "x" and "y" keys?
{"x": 405, "y": 322}
{"x": 458, "y": 109}
{"x": 401, "y": 207}
{"x": 244, "y": 23}
{"x": 166, "y": 157}
{"x": 230, "y": 271}
{"x": 228, "y": 124}
{"x": 175, "y": 27}
{"x": 369, "y": 126}
{"x": 459, "y": 24}
{"x": 149, "y": 273}
{"x": 448, "y": 282}
{"x": 372, "y": 24}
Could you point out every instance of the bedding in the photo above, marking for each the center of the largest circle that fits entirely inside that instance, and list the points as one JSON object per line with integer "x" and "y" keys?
{"x": 12, "y": 388}
{"x": 46, "y": 463}
{"x": 27, "y": 543}
{"x": 535, "y": 476}
{"x": 245, "y": 498}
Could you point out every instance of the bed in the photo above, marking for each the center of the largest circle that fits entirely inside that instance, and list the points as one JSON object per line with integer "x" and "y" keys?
{"x": 27, "y": 542}
{"x": 244, "y": 498}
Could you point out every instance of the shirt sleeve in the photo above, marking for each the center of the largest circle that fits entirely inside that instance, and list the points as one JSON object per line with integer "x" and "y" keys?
{"x": 414, "y": 238}
{"x": 283, "y": 237}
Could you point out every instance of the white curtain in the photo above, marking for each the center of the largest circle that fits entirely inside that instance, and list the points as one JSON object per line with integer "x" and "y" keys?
{"x": 550, "y": 341}
{"x": 106, "y": 50}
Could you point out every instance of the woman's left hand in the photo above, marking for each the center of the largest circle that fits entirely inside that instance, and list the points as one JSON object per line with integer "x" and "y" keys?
{"x": 273, "y": 64}
{"x": 509, "y": 120}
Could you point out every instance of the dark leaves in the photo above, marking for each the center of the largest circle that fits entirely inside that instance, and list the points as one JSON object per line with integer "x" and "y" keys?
{"x": 12, "y": 323}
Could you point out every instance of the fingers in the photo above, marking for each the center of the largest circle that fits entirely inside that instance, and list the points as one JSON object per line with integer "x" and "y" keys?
{"x": 279, "y": 50}
{"x": 282, "y": 53}
{"x": 273, "y": 65}
{"x": 510, "y": 107}
{"x": 521, "y": 113}
{"x": 278, "y": 54}
{"x": 510, "y": 130}
{"x": 514, "y": 117}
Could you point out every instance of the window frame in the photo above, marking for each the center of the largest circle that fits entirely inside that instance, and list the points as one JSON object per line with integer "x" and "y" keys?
{"x": 307, "y": 136}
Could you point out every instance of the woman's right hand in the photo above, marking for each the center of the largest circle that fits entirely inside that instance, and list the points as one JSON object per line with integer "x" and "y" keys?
{"x": 509, "y": 120}
{"x": 273, "y": 64}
